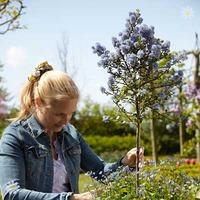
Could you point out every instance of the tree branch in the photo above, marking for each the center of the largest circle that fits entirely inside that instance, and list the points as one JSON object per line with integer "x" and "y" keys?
{"x": 10, "y": 19}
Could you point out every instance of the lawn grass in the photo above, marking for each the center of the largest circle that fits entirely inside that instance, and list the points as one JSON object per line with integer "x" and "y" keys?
{"x": 85, "y": 183}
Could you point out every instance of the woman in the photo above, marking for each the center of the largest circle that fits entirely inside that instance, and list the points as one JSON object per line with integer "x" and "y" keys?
{"x": 41, "y": 153}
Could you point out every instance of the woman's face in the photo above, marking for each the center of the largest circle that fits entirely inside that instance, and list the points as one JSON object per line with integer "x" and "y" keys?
{"x": 55, "y": 115}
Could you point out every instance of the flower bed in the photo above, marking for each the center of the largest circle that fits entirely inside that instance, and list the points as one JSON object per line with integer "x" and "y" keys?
{"x": 166, "y": 181}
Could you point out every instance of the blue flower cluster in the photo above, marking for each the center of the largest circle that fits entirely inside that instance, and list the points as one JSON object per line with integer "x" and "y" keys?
{"x": 142, "y": 66}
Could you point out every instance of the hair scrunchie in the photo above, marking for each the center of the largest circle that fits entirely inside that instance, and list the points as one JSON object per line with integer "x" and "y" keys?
{"x": 39, "y": 71}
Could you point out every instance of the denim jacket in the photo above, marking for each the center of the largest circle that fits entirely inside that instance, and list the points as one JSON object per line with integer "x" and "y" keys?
{"x": 26, "y": 163}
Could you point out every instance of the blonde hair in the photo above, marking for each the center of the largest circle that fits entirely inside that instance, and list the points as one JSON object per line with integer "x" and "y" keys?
{"x": 51, "y": 86}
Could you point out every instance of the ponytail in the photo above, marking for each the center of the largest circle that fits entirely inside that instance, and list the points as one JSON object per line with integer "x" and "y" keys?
{"x": 26, "y": 101}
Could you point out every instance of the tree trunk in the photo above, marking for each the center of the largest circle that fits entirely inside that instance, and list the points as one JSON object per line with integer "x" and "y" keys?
{"x": 181, "y": 133}
{"x": 153, "y": 139}
{"x": 198, "y": 145}
{"x": 137, "y": 158}
{"x": 137, "y": 146}
{"x": 181, "y": 122}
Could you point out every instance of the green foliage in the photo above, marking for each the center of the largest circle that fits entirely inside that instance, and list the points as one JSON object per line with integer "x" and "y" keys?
{"x": 193, "y": 106}
{"x": 164, "y": 182}
{"x": 4, "y": 98}
{"x": 112, "y": 156}
{"x": 6, "y": 119}
{"x": 102, "y": 144}
{"x": 189, "y": 149}
{"x": 89, "y": 120}
{"x": 190, "y": 170}
{"x": 167, "y": 141}
{"x": 3, "y": 124}
{"x": 84, "y": 182}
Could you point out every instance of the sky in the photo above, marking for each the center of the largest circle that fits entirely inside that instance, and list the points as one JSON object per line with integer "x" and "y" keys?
{"x": 84, "y": 23}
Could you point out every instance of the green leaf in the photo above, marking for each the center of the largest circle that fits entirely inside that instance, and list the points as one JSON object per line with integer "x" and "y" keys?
{"x": 198, "y": 195}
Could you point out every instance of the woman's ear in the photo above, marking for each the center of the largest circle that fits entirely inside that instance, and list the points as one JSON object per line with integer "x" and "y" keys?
{"x": 37, "y": 102}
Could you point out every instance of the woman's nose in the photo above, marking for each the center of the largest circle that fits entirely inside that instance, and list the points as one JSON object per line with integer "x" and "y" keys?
{"x": 66, "y": 119}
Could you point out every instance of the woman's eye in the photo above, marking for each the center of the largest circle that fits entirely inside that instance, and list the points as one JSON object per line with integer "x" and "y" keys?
{"x": 59, "y": 115}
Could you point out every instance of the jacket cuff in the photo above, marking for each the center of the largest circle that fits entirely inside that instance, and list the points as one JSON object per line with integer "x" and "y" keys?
{"x": 69, "y": 195}
{"x": 120, "y": 161}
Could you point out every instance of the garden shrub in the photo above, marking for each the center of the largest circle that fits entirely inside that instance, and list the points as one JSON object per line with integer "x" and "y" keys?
{"x": 164, "y": 182}
{"x": 189, "y": 149}
{"x": 190, "y": 170}
{"x": 102, "y": 144}
{"x": 89, "y": 120}
{"x": 112, "y": 156}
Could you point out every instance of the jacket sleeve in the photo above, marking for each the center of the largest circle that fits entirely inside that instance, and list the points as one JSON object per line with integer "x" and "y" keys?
{"x": 93, "y": 164}
{"x": 12, "y": 172}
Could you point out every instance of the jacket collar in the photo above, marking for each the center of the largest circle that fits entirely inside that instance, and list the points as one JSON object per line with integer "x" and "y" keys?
{"x": 34, "y": 126}
{"x": 37, "y": 129}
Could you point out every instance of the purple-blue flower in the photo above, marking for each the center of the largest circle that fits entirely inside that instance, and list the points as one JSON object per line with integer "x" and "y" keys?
{"x": 103, "y": 89}
{"x": 131, "y": 59}
{"x": 132, "y": 18}
{"x": 99, "y": 49}
{"x": 162, "y": 95}
{"x": 155, "y": 66}
{"x": 106, "y": 119}
{"x": 115, "y": 42}
{"x": 166, "y": 46}
{"x": 125, "y": 49}
{"x": 103, "y": 62}
{"x": 146, "y": 31}
{"x": 133, "y": 38}
{"x": 180, "y": 73}
{"x": 111, "y": 81}
{"x": 140, "y": 20}
{"x": 140, "y": 54}
{"x": 124, "y": 36}
{"x": 177, "y": 78}
{"x": 155, "y": 51}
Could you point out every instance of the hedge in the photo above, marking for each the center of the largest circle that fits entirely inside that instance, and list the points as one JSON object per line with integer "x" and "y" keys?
{"x": 102, "y": 144}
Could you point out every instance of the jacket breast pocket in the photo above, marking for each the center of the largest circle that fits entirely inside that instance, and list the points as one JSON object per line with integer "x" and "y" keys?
{"x": 74, "y": 150}
{"x": 35, "y": 158}
{"x": 73, "y": 155}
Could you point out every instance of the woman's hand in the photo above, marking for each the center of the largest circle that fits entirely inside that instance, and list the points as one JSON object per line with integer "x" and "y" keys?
{"x": 130, "y": 158}
{"x": 82, "y": 196}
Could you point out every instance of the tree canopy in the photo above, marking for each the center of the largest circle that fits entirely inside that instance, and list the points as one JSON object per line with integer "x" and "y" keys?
{"x": 10, "y": 13}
